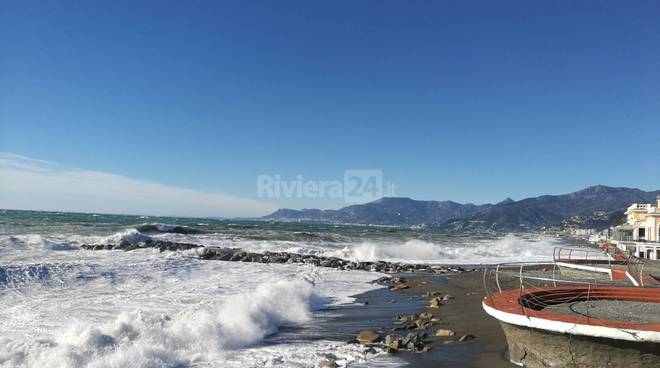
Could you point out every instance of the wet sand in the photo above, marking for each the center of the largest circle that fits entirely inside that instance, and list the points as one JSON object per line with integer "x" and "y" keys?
{"x": 376, "y": 311}
{"x": 462, "y": 314}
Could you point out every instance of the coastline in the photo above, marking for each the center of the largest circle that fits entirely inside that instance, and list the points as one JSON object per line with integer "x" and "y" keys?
{"x": 462, "y": 314}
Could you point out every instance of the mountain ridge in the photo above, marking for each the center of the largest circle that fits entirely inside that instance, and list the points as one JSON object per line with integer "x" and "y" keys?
{"x": 599, "y": 203}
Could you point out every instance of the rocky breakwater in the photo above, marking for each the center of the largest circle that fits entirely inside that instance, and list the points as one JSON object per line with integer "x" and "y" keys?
{"x": 239, "y": 255}
{"x": 162, "y": 245}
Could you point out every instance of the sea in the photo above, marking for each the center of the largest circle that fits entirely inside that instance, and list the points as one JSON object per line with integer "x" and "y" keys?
{"x": 63, "y": 306}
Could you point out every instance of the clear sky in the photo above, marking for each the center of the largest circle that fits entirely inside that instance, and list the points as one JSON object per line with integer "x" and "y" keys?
{"x": 464, "y": 100}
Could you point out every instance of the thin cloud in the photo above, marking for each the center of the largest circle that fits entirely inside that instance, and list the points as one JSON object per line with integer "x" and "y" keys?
{"x": 27, "y": 183}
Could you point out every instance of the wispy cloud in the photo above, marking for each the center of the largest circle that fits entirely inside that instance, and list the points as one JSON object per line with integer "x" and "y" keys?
{"x": 27, "y": 183}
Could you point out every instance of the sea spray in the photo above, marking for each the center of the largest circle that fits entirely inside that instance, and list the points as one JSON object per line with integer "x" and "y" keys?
{"x": 485, "y": 251}
{"x": 63, "y": 306}
{"x": 144, "y": 339}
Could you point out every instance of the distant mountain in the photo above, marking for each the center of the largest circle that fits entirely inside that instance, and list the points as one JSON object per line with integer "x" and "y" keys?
{"x": 385, "y": 211}
{"x": 593, "y": 203}
{"x": 595, "y": 206}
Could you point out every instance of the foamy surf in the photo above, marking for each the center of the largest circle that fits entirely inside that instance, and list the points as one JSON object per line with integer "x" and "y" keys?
{"x": 199, "y": 334}
{"x": 150, "y": 309}
{"x": 62, "y": 306}
{"x": 455, "y": 251}
{"x": 508, "y": 248}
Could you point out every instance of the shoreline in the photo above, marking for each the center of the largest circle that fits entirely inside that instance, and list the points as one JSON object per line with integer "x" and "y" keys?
{"x": 464, "y": 315}
{"x": 461, "y": 313}
{"x": 456, "y": 331}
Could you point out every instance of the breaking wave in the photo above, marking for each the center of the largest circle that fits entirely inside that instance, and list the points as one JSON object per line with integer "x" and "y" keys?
{"x": 34, "y": 241}
{"x": 49, "y": 275}
{"x": 505, "y": 249}
{"x": 130, "y": 236}
{"x": 192, "y": 336}
{"x": 165, "y": 228}
{"x": 15, "y": 276}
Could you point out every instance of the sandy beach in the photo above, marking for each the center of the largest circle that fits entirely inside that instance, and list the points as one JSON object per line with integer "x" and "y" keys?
{"x": 460, "y": 314}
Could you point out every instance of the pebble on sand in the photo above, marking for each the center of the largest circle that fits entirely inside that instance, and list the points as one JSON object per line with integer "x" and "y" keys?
{"x": 444, "y": 333}
{"x": 436, "y": 303}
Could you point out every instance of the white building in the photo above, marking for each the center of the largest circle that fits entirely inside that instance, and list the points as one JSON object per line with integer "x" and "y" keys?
{"x": 640, "y": 235}
{"x": 645, "y": 221}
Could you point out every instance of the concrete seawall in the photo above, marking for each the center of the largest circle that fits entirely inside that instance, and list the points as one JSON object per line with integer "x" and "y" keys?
{"x": 530, "y": 347}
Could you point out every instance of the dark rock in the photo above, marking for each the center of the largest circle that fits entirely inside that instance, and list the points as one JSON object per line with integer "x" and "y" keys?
{"x": 328, "y": 363}
{"x": 239, "y": 255}
{"x": 330, "y": 356}
{"x": 393, "y": 345}
{"x": 162, "y": 245}
{"x": 383, "y": 280}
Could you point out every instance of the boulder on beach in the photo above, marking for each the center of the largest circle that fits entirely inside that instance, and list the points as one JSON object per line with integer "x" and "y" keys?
{"x": 328, "y": 363}
{"x": 400, "y": 286}
{"x": 426, "y": 315}
{"x": 392, "y": 343}
{"x": 367, "y": 337}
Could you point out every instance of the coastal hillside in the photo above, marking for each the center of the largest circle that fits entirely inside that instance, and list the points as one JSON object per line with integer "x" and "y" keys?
{"x": 593, "y": 207}
{"x": 386, "y": 211}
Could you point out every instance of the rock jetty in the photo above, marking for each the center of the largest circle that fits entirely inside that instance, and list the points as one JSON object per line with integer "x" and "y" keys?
{"x": 162, "y": 245}
{"x": 240, "y": 255}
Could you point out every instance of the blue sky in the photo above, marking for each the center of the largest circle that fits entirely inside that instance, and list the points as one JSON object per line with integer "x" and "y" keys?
{"x": 471, "y": 100}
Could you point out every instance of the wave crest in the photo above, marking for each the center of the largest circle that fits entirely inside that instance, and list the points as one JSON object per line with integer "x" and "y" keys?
{"x": 130, "y": 236}
{"x": 508, "y": 248}
{"x": 166, "y": 228}
{"x": 196, "y": 335}
{"x": 35, "y": 241}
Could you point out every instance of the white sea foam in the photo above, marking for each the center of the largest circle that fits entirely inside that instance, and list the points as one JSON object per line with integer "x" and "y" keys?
{"x": 65, "y": 307}
{"x": 130, "y": 236}
{"x": 457, "y": 250}
{"x": 34, "y": 241}
{"x": 150, "y": 309}
{"x": 411, "y": 250}
{"x": 202, "y": 333}
{"x": 505, "y": 249}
